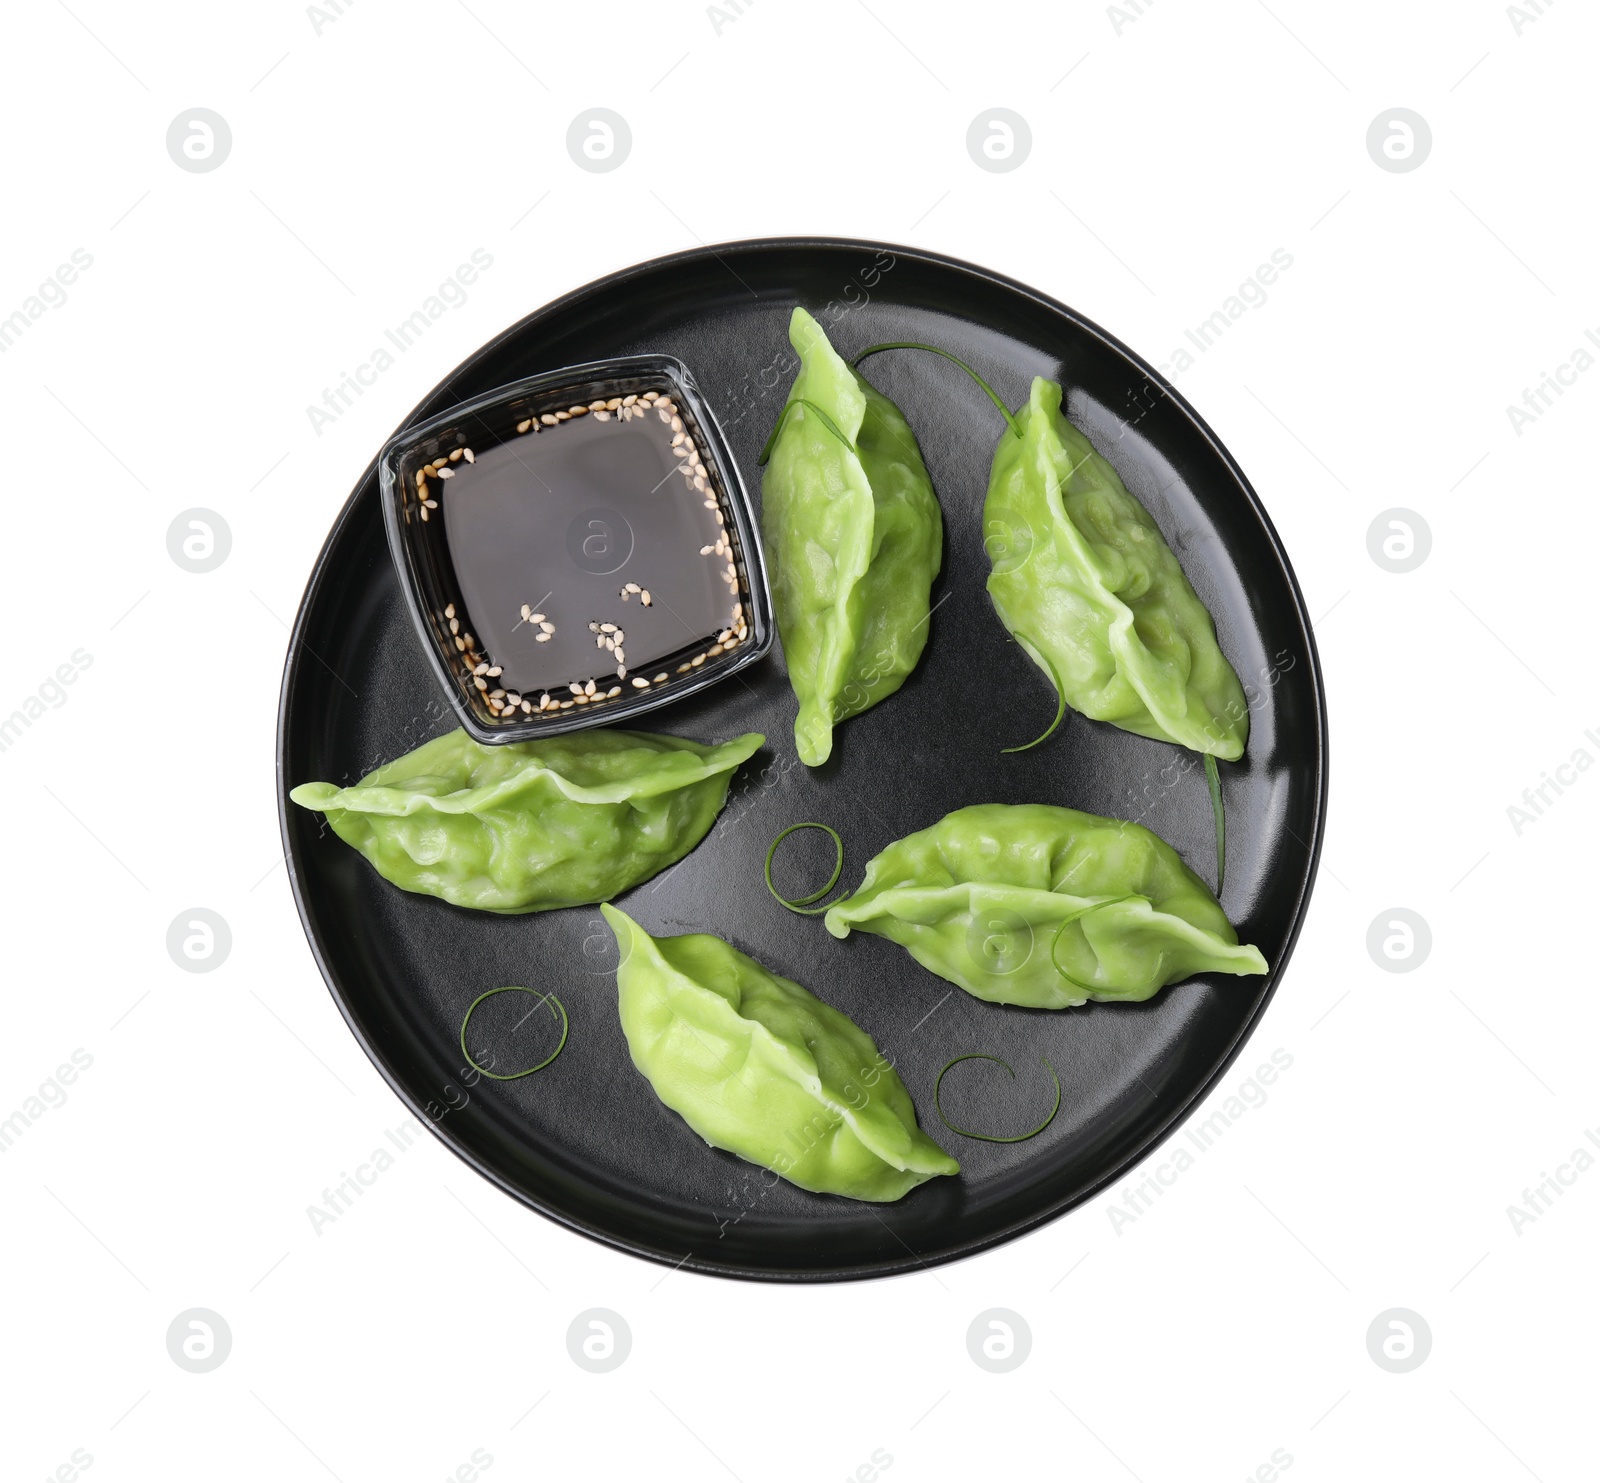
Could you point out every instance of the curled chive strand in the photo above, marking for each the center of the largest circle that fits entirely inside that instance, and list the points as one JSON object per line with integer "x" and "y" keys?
{"x": 1061, "y": 710}
{"x": 1083, "y": 911}
{"x": 801, "y": 905}
{"x": 558, "y": 1010}
{"x": 991, "y": 1137}
{"x": 1214, "y": 783}
{"x": 783, "y": 418}
{"x": 989, "y": 391}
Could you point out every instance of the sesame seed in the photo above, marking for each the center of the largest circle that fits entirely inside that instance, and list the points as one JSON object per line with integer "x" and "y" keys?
{"x": 455, "y": 454}
{"x": 597, "y": 406}
{"x": 628, "y": 401}
{"x": 683, "y": 669}
{"x": 481, "y": 684}
{"x": 677, "y": 424}
{"x": 725, "y": 635}
{"x": 613, "y": 692}
{"x": 466, "y": 453}
{"x": 535, "y": 617}
{"x": 631, "y": 587}
{"x": 576, "y": 689}
{"x": 527, "y": 613}
{"x": 449, "y": 610}
{"x": 545, "y": 625}
{"x": 422, "y": 478}
{"x": 522, "y": 427}
{"x": 541, "y": 638}
{"x": 664, "y": 415}
{"x": 494, "y": 672}
{"x": 622, "y": 671}
{"x": 700, "y": 483}
{"x": 644, "y": 597}
{"x": 588, "y": 688}
{"x": 497, "y": 694}
{"x": 608, "y": 628}
{"x": 423, "y": 512}
{"x": 430, "y": 504}
{"x": 707, "y": 550}
{"x": 698, "y": 660}
{"x": 563, "y": 417}
{"x": 581, "y": 699}
{"x": 613, "y": 403}
{"x": 714, "y": 650}
{"x": 567, "y": 705}
{"x": 661, "y": 678}
{"x": 461, "y": 645}
{"x": 482, "y": 669}
{"x": 594, "y": 628}
{"x": 599, "y": 641}
{"x": 577, "y": 410}
{"x": 602, "y": 417}
{"x": 639, "y": 684}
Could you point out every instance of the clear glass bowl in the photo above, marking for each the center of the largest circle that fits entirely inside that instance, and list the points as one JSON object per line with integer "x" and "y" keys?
{"x": 576, "y": 549}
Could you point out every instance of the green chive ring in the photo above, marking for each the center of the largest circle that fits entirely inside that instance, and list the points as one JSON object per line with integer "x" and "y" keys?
{"x": 1061, "y": 710}
{"x": 1005, "y": 411}
{"x": 990, "y": 1137}
{"x": 515, "y": 989}
{"x": 801, "y": 904}
{"x": 800, "y": 401}
{"x": 1055, "y": 942}
{"x": 1214, "y": 783}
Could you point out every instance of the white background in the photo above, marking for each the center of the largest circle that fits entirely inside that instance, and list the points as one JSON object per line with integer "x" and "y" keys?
{"x": 372, "y": 152}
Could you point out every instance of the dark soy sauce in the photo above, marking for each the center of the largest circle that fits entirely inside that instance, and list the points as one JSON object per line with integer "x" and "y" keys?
{"x": 561, "y": 520}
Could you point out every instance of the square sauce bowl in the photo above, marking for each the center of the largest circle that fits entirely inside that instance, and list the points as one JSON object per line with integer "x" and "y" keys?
{"x": 576, "y": 548}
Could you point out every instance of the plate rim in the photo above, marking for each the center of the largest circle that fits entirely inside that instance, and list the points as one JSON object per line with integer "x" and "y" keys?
{"x": 914, "y": 1262}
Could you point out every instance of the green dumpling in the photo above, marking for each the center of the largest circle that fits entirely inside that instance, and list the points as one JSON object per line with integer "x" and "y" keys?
{"x": 530, "y": 826}
{"x": 1045, "y": 907}
{"x": 759, "y": 1066}
{"x": 1084, "y": 579}
{"x": 853, "y": 540}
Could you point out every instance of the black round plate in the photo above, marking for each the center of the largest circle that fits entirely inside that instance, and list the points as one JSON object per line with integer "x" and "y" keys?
{"x": 585, "y": 1141}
